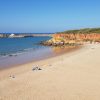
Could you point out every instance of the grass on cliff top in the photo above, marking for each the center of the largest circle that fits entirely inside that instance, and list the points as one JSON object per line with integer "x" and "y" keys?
{"x": 83, "y": 31}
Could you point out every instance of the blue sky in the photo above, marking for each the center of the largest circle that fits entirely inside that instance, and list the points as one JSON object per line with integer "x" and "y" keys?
{"x": 41, "y": 16}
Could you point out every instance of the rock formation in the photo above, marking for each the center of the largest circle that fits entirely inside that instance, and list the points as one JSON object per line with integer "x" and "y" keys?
{"x": 72, "y": 38}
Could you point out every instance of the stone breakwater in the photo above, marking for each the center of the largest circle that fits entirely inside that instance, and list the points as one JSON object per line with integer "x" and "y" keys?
{"x": 22, "y": 35}
{"x": 72, "y": 38}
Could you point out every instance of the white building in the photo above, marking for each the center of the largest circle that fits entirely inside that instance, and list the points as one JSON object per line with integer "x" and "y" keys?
{"x": 11, "y": 35}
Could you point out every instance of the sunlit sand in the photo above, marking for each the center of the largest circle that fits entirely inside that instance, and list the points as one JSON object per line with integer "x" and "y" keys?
{"x": 71, "y": 76}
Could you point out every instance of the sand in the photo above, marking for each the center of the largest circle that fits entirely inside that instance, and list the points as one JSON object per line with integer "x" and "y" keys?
{"x": 72, "y": 76}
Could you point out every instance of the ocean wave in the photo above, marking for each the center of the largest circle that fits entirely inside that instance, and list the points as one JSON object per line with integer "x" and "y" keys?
{"x": 19, "y": 52}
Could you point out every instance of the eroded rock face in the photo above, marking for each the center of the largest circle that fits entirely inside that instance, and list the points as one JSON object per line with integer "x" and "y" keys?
{"x": 92, "y": 36}
{"x": 76, "y": 37}
{"x": 61, "y": 39}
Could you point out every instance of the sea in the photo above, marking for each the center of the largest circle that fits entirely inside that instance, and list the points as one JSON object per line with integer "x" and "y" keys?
{"x": 14, "y": 51}
{"x": 10, "y": 46}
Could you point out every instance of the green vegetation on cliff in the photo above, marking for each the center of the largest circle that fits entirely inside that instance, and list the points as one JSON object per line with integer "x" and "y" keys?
{"x": 83, "y": 31}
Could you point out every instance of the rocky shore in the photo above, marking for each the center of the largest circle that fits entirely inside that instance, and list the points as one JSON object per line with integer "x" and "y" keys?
{"x": 73, "y": 38}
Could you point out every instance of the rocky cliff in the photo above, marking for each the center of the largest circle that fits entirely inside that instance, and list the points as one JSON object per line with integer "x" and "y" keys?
{"x": 77, "y": 37}
{"x": 73, "y": 38}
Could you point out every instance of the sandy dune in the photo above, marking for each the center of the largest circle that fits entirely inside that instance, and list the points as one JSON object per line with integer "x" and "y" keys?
{"x": 73, "y": 76}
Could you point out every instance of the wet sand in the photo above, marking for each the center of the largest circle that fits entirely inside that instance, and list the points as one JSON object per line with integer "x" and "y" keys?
{"x": 34, "y": 56}
{"x": 71, "y": 76}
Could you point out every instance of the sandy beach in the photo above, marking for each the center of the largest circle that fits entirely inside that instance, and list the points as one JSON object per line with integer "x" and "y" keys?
{"x": 71, "y": 76}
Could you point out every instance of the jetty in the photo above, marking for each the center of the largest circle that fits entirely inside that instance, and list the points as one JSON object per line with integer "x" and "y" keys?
{"x": 22, "y": 35}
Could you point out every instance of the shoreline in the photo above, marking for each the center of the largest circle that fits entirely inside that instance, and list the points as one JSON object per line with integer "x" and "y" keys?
{"x": 60, "y": 52}
{"x": 44, "y": 63}
{"x": 72, "y": 76}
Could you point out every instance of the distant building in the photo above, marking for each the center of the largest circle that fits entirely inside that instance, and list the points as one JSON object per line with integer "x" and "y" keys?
{"x": 11, "y": 35}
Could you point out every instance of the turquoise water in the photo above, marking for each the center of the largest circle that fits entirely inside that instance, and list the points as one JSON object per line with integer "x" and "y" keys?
{"x": 15, "y": 45}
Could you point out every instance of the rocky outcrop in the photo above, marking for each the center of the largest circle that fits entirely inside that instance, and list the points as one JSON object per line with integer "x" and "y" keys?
{"x": 82, "y": 37}
{"x": 72, "y": 38}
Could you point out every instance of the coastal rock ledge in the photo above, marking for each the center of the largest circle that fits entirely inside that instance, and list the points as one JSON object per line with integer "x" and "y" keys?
{"x": 74, "y": 37}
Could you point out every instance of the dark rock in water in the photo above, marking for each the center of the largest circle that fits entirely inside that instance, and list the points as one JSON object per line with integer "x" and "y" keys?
{"x": 48, "y": 43}
{"x": 10, "y": 55}
{"x": 13, "y": 55}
